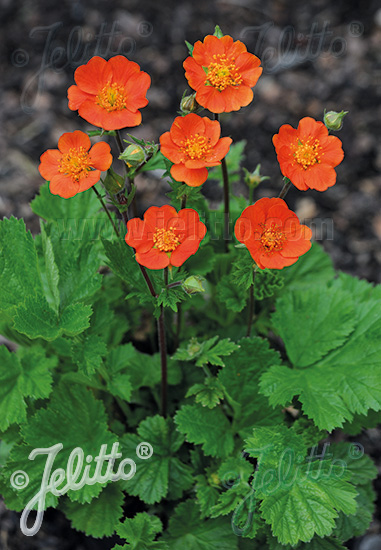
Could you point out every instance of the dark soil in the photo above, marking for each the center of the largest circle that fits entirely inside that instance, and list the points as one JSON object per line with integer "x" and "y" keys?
{"x": 316, "y": 55}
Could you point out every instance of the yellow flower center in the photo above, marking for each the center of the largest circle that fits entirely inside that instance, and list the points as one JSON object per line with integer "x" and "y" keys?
{"x": 222, "y": 72}
{"x": 306, "y": 153}
{"x": 112, "y": 97}
{"x": 166, "y": 240}
{"x": 196, "y": 147}
{"x": 272, "y": 238}
{"x": 76, "y": 164}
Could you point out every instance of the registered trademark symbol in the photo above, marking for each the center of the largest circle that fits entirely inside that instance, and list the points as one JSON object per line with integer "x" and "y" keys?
{"x": 356, "y": 28}
{"x": 144, "y": 450}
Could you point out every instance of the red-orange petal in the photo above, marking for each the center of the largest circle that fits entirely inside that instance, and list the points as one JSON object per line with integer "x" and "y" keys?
{"x": 220, "y": 150}
{"x": 137, "y": 235}
{"x": 63, "y": 186}
{"x": 92, "y": 178}
{"x": 184, "y": 127}
{"x": 100, "y": 156}
{"x": 93, "y": 76}
{"x": 184, "y": 250}
{"x": 50, "y": 161}
{"x": 169, "y": 149}
{"x": 211, "y": 99}
{"x": 73, "y": 140}
{"x": 153, "y": 259}
{"x": 76, "y": 97}
{"x": 194, "y": 177}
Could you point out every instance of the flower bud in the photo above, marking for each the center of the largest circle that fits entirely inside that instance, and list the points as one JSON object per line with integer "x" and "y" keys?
{"x": 193, "y": 284}
{"x": 253, "y": 179}
{"x": 188, "y": 104}
{"x": 133, "y": 155}
{"x": 334, "y": 120}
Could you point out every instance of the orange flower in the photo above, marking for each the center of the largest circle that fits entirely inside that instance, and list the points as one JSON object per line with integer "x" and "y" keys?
{"x": 308, "y": 155}
{"x": 192, "y": 144}
{"x": 165, "y": 238}
{"x": 109, "y": 93}
{"x": 222, "y": 72}
{"x": 272, "y": 234}
{"x": 74, "y": 167}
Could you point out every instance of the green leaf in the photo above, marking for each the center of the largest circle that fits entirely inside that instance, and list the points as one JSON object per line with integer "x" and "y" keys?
{"x": 316, "y": 386}
{"x": 352, "y": 458}
{"x": 209, "y": 428}
{"x": 19, "y": 273}
{"x": 157, "y": 162}
{"x": 170, "y": 297}
{"x": 155, "y": 475}
{"x": 22, "y": 374}
{"x": 317, "y": 543}
{"x": 209, "y": 351}
{"x": 78, "y": 263}
{"x": 313, "y": 322}
{"x": 231, "y": 295}
{"x": 140, "y": 532}
{"x": 313, "y": 268}
{"x": 239, "y": 497}
{"x": 99, "y": 518}
{"x": 206, "y": 494}
{"x": 88, "y": 353}
{"x": 208, "y": 394}
{"x": 50, "y": 275}
{"x": 74, "y": 418}
{"x": 28, "y": 287}
{"x": 355, "y": 525}
{"x": 55, "y": 209}
{"x": 300, "y": 497}
{"x": 141, "y": 368}
{"x": 240, "y": 378}
{"x": 12, "y": 404}
{"x": 36, "y": 378}
{"x": 35, "y": 319}
{"x": 187, "y": 531}
{"x": 122, "y": 262}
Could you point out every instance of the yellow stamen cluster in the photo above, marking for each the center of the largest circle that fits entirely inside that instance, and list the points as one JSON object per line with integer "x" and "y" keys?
{"x": 112, "y": 97}
{"x": 196, "y": 147}
{"x": 306, "y": 153}
{"x": 222, "y": 72}
{"x": 272, "y": 238}
{"x": 76, "y": 164}
{"x": 166, "y": 240}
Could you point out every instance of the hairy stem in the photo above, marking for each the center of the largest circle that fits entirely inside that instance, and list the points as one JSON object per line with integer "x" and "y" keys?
{"x": 285, "y": 188}
{"x": 225, "y": 177}
{"x": 163, "y": 353}
{"x": 183, "y": 201}
{"x": 99, "y": 196}
{"x": 130, "y": 180}
{"x": 251, "y": 307}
